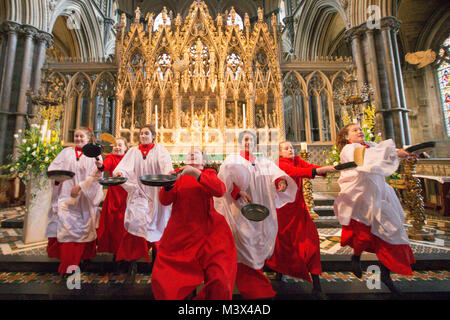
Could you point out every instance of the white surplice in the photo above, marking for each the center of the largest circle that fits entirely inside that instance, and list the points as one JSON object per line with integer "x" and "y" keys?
{"x": 145, "y": 216}
{"x": 366, "y": 197}
{"x": 74, "y": 219}
{"x": 255, "y": 241}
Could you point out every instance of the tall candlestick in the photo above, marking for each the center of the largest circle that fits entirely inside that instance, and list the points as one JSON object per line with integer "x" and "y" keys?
{"x": 44, "y": 130}
{"x": 243, "y": 111}
{"x": 304, "y": 146}
{"x": 156, "y": 117}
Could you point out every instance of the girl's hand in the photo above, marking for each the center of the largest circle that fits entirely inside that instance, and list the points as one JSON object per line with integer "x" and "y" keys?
{"x": 402, "y": 153}
{"x": 245, "y": 196}
{"x": 119, "y": 174}
{"x": 282, "y": 185}
{"x": 75, "y": 192}
{"x": 190, "y": 171}
{"x": 99, "y": 163}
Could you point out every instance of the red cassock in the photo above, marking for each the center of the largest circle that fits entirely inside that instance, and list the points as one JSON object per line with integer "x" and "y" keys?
{"x": 297, "y": 248}
{"x": 133, "y": 247}
{"x": 197, "y": 245}
{"x": 111, "y": 231}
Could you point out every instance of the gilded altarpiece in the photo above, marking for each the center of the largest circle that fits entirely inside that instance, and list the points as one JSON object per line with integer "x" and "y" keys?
{"x": 199, "y": 81}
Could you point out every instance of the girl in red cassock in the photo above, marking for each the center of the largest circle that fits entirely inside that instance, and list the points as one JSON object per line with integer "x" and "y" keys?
{"x": 197, "y": 245}
{"x": 111, "y": 229}
{"x": 71, "y": 227}
{"x": 368, "y": 208}
{"x": 297, "y": 248}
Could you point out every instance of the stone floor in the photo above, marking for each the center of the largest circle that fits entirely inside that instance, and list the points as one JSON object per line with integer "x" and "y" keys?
{"x": 430, "y": 280}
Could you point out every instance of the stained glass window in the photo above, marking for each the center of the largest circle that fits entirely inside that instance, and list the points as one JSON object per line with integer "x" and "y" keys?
{"x": 444, "y": 81}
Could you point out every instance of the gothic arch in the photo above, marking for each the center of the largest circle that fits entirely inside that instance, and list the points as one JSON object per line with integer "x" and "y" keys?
{"x": 85, "y": 26}
{"x": 315, "y": 21}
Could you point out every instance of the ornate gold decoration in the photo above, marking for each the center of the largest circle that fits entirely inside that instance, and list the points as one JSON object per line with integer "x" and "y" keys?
{"x": 352, "y": 99}
{"x": 48, "y": 101}
{"x": 307, "y": 189}
{"x": 199, "y": 80}
{"x": 414, "y": 202}
{"x": 421, "y": 58}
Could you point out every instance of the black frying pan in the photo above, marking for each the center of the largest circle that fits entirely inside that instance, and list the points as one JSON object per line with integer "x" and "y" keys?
{"x": 60, "y": 175}
{"x": 158, "y": 180}
{"x": 347, "y": 165}
{"x": 112, "y": 181}
{"x": 92, "y": 150}
{"x": 421, "y": 147}
{"x": 255, "y": 212}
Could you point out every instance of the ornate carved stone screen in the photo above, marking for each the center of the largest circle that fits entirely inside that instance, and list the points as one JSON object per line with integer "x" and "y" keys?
{"x": 199, "y": 81}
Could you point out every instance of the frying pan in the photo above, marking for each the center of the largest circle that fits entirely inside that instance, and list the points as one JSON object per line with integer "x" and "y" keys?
{"x": 60, "y": 175}
{"x": 255, "y": 212}
{"x": 112, "y": 181}
{"x": 347, "y": 165}
{"x": 421, "y": 147}
{"x": 108, "y": 138}
{"x": 159, "y": 180}
{"x": 358, "y": 156}
{"x": 92, "y": 150}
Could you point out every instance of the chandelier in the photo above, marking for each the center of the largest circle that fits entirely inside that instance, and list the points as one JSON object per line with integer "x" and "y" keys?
{"x": 353, "y": 98}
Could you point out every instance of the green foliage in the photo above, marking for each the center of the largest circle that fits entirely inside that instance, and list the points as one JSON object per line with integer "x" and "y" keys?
{"x": 35, "y": 152}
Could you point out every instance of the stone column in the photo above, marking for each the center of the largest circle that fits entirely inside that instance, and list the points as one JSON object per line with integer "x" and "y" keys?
{"x": 22, "y": 107}
{"x": 401, "y": 87}
{"x": 289, "y": 23}
{"x": 377, "y": 60}
{"x": 44, "y": 41}
{"x": 11, "y": 29}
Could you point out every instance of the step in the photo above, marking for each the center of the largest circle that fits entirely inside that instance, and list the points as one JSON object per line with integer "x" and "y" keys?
{"x": 15, "y": 223}
{"x": 324, "y": 210}
{"x": 103, "y": 263}
{"x": 335, "y": 289}
{"x": 327, "y": 222}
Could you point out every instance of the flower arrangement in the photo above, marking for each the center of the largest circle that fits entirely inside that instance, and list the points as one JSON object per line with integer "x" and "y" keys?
{"x": 36, "y": 149}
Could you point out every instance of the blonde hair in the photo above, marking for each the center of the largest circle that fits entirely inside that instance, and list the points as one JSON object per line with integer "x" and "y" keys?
{"x": 88, "y": 131}
{"x": 125, "y": 141}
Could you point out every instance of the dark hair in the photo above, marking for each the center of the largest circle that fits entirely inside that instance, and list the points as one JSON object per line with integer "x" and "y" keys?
{"x": 151, "y": 128}
{"x": 88, "y": 131}
{"x": 340, "y": 138}
{"x": 243, "y": 133}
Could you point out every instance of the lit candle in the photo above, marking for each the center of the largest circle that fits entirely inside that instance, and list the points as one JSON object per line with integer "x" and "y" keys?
{"x": 49, "y": 134}
{"x": 304, "y": 146}
{"x": 44, "y": 130}
{"x": 243, "y": 111}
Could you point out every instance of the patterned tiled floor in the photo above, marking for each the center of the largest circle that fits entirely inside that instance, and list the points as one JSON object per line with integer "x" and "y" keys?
{"x": 114, "y": 278}
{"x": 11, "y": 239}
{"x": 10, "y": 213}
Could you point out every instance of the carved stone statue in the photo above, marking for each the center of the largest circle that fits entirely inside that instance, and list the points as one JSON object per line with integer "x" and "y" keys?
{"x": 260, "y": 121}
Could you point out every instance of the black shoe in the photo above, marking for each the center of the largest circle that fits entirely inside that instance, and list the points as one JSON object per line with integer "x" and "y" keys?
{"x": 387, "y": 280}
{"x": 317, "y": 292}
{"x": 84, "y": 265}
{"x": 132, "y": 270}
{"x": 356, "y": 266}
{"x": 319, "y": 295}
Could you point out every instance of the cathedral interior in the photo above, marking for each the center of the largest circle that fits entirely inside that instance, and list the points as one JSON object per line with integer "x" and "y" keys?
{"x": 201, "y": 72}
